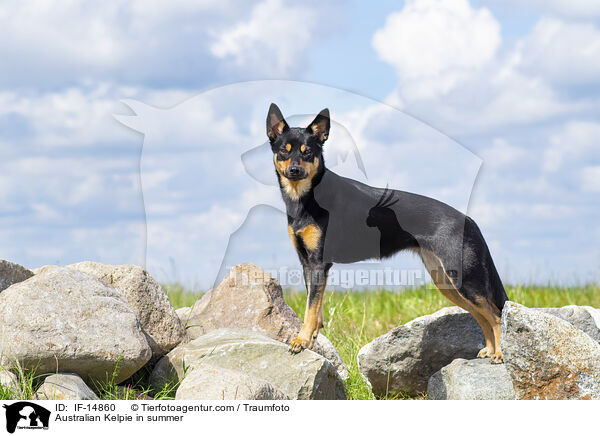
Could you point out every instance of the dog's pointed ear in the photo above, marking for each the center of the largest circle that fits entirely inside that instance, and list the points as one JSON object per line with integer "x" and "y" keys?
{"x": 276, "y": 125}
{"x": 320, "y": 126}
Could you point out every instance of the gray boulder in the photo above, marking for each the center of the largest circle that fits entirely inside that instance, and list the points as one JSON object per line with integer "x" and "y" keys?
{"x": 475, "y": 379}
{"x": 403, "y": 360}
{"x": 547, "y": 357}
{"x": 67, "y": 321}
{"x": 249, "y": 298}
{"x": 64, "y": 387}
{"x": 306, "y": 375}
{"x": 11, "y": 273}
{"x": 146, "y": 297}
{"x": 207, "y": 382}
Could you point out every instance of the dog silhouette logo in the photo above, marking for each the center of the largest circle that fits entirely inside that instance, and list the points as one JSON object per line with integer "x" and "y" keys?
{"x": 26, "y": 415}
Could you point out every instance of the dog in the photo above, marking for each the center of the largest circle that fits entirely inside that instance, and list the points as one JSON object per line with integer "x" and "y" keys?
{"x": 333, "y": 219}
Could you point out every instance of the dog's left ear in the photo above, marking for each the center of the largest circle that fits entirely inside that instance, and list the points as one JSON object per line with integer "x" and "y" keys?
{"x": 320, "y": 126}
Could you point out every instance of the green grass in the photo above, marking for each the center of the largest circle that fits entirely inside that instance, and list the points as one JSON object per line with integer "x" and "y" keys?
{"x": 352, "y": 319}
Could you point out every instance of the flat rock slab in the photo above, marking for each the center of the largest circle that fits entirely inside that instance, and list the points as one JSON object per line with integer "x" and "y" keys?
{"x": 207, "y": 382}
{"x": 64, "y": 387}
{"x": 547, "y": 357}
{"x": 249, "y": 298}
{"x": 475, "y": 379}
{"x": 67, "y": 321}
{"x": 11, "y": 273}
{"x": 306, "y": 375}
{"x": 406, "y": 357}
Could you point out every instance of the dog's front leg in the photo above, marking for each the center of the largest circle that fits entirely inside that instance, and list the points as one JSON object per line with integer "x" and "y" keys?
{"x": 316, "y": 279}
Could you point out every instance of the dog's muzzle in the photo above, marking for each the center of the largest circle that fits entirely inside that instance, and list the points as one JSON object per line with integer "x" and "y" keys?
{"x": 295, "y": 172}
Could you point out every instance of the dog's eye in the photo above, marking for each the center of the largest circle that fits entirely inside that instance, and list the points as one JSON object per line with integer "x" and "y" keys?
{"x": 306, "y": 152}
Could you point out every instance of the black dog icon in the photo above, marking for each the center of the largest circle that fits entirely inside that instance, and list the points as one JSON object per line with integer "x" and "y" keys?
{"x": 27, "y": 415}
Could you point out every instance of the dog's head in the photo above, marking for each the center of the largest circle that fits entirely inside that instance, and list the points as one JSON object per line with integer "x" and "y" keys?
{"x": 297, "y": 150}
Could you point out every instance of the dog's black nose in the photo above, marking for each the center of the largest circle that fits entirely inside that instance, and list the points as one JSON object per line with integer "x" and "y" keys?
{"x": 295, "y": 171}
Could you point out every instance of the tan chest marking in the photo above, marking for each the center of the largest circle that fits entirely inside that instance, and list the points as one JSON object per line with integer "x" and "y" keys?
{"x": 310, "y": 236}
{"x": 296, "y": 189}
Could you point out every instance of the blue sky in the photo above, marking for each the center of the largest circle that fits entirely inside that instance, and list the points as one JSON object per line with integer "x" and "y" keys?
{"x": 492, "y": 106}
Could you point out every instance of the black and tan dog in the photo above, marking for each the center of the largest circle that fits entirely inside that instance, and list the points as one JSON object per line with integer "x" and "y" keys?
{"x": 333, "y": 219}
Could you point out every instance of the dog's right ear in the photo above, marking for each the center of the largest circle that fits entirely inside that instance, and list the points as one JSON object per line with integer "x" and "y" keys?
{"x": 276, "y": 125}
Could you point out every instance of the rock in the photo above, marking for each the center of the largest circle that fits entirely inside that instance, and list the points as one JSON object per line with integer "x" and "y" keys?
{"x": 63, "y": 320}
{"x": 585, "y": 318}
{"x": 11, "y": 273}
{"x": 64, "y": 387}
{"x": 249, "y": 298}
{"x": 475, "y": 379}
{"x": 406, "y": 357}
{"x": 145, "y": 296}
{"x": 184, "y": 315}
{"x": 9, "y": 381}
{"x": 547, "y": 357}
{"x": 206, "y": 382}
{"x": 306, "y": 375}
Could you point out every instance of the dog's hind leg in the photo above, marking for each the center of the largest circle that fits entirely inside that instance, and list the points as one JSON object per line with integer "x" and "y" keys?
{"x": 446, "y": 286}
{"x": 492, "y": 315}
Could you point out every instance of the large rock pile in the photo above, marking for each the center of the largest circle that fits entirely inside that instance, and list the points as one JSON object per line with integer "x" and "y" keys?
{"x": 549, "y": 353}
{"x": 88, "y": 323}
{"x": 63, "y": 320}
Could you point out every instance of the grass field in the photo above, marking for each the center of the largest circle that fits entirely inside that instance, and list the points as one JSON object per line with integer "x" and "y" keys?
{"x": 352, "y": 319}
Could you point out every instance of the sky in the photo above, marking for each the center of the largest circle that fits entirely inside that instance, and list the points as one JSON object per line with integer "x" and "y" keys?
{"x": 134, "y": 132}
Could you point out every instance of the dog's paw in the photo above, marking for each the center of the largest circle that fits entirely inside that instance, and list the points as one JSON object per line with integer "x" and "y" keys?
{"x": 497, "y": 357}
{"x": 484, "y": 352}
{"x": 298, "y": 344}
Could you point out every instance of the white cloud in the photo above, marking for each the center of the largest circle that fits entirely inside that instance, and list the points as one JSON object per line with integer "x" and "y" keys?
{"x": 182, "y": 42}
{"x": 560, "y": 51}
{"x": 454, "y": 73}
{"x": 272, "y": 39}
{"x": 435, "y": 43}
